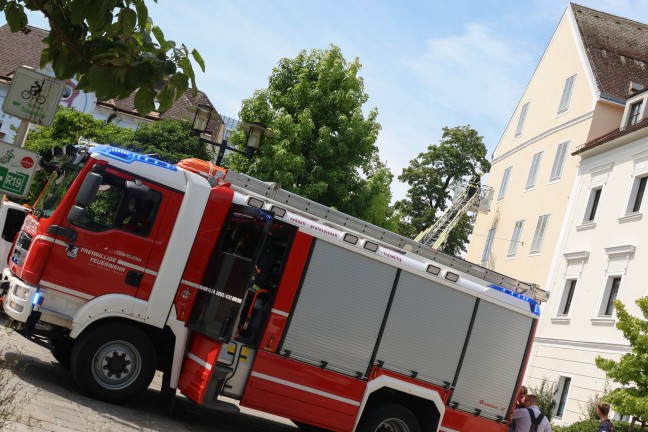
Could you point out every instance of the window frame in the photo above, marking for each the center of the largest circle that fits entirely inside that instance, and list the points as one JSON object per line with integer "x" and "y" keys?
{"x": 567, "y": 297}
{"x": 521, "y": 119}
{"x": 504, "y": 184}
{"x": 533, "y": 171}
{"x": 488, "y": 246}
{"x": 559, "y": 161}
{"x": 634, "y": 113}
{"x": 637, "y": 193}
{"x": 539, "y": 234}
{"x": 565, "y": 99}
{"x": 610, "y": 293}
{"x": 515, "y": 238}
{"x": 592, "y": 204}
{"x": 562, "y": 395}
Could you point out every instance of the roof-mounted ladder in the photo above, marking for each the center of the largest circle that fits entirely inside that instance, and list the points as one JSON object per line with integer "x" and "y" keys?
{"x": 468, "y": 198}
{"x": 283, "y": 198}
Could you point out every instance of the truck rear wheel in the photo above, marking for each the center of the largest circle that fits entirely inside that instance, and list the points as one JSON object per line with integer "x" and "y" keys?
{"x": 114, "y": 362}
{"x": 390, "y": 418}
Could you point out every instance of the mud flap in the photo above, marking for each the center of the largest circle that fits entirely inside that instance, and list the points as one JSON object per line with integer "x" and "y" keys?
{"x": 197, "y": 368}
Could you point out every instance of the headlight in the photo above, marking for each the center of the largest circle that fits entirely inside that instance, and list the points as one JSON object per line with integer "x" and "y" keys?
{"x": 21, "y": 292}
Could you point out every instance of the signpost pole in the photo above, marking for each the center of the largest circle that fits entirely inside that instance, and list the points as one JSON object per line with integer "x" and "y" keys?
{"x": 21, "y": 134}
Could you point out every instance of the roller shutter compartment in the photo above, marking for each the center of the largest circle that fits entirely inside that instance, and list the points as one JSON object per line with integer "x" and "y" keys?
{"x": 340, "y": 309}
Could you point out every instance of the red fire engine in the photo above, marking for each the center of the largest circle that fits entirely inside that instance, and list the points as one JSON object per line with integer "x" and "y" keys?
{"x": 232, "y": 286}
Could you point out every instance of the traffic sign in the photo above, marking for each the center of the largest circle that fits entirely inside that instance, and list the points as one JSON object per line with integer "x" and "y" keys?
{"x": 33, "y": 96}
{"x": 17, "y": 167}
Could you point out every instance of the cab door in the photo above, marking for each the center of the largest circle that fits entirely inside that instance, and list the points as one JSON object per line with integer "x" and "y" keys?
{"x": 114, "y": 241}
{"x": 216, "y": 309}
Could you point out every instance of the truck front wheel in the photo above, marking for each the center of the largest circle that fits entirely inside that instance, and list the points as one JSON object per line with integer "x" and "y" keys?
{"x": 390, "y": 418}
{"x": 114, "y": 362}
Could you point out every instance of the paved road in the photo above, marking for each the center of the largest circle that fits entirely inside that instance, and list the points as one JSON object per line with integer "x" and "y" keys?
{"x": 48, "y": 401}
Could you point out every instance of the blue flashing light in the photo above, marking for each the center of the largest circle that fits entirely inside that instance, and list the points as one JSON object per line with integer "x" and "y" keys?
{"x": 534, "y": 306}
{"x": 127, "y": 156}
{"x": 36, "y": 297}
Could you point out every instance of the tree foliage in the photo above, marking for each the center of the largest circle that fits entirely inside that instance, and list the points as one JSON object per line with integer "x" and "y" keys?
{"x": 631, "y": 397}
{"x": 170, "y": 140}
{"x": 460, "y": 154}
{"x": 112, "y": 48}
{"x": 324, "y": 146}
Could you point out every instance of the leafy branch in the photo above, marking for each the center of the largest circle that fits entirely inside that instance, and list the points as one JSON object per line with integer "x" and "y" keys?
{"x": 112, "y": 48}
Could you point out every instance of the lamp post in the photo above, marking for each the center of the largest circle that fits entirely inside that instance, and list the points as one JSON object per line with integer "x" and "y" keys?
{"x": 255, "y": 131}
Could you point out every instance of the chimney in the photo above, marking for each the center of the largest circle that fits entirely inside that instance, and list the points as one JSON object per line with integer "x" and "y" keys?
{"x": 635, "y": 87}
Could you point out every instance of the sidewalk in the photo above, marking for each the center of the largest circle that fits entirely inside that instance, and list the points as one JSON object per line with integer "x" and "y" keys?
{"x": 50, "y": 402}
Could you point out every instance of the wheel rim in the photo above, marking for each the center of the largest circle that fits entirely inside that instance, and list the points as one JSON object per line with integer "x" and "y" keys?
{"x": 116, "y": 365}
{"x": 392, "y": 425}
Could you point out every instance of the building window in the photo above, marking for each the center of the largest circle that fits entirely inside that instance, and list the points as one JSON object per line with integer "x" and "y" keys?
{"x": 566, "y": 95}
{"x": 505, "y": 179}
{"x": 636, "y": 194}
{"x": 488, "y": 245}
{"x": 568, "y": 295}
{"x": 635, "y": 110}
{"x": 515, "y": 239}
{"x": 592, "y": 204}
{"x": 523, "y": 113}
{"x": 559, "y": 161}
{"x": 609, "y": 295}
{"x": 541, "y": 227}
{"x": 563, "y": 391}
{"x": 533, "y": 172}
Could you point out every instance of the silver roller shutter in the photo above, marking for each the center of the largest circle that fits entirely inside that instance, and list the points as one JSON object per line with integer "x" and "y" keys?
{"x": 492, "y": 363}
{"x": 426, "y": 329}
{"x": 340, "y": 309}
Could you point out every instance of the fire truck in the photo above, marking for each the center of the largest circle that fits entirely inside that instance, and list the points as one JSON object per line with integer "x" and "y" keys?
{"x": 235, "y": 287}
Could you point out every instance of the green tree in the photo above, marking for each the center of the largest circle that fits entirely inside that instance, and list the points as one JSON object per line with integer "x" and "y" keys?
{"x": 170, "y": 140}
{"x": 112, "y": 48}
{"x": 460, "y": 154}
{"x": 631, "y": 397}
{"x": 324, "y": 146}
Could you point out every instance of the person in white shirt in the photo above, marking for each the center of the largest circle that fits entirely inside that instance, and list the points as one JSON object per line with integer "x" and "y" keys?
{"x": 523, "y": 418}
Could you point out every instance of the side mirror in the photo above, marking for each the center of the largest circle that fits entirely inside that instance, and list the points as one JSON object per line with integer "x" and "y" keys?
{"x": 77, "y": 215}
{"x": 88, "y": 189}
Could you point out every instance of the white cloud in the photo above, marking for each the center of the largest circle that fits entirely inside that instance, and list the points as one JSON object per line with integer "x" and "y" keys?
{"x": 478, "y": 72}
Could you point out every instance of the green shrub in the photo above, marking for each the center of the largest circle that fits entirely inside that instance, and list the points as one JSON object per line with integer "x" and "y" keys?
{"x": 546, "y": 393}
{"x": 589, "y": 426}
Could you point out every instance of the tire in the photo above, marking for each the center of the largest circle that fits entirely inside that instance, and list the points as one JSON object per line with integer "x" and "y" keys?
{"x": 390, "y": 418}
{"x": 113, "y": 363}
{"x": 62, "y": 352}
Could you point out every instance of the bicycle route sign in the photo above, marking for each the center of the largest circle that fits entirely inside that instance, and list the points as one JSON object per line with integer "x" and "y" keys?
{"x": 17, "y": 167}
{"x": 33, "y": 96}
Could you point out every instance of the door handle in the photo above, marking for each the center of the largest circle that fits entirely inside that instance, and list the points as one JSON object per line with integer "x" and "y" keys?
{"x": 133, "y": 278}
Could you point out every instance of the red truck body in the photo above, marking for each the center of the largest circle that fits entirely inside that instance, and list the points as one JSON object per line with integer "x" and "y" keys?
{"x": 235, "y": 287}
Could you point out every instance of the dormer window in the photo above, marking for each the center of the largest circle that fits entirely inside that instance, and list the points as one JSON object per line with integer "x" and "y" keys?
{"x": 635, "y": 110}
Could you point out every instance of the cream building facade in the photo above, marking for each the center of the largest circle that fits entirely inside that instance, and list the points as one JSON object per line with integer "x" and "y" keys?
{"x": 564, "y": 105}
{"x": 593, "y": 63}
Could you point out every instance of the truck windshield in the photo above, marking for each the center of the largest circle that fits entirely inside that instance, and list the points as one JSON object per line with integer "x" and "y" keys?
{"x": 57, "y": 186}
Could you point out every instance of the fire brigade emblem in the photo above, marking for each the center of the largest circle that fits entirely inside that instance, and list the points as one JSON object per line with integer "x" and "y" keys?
{"x": 72, "y": 251}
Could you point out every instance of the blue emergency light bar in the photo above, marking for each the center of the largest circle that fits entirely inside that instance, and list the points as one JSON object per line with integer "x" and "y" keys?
{"x": 534, "y": 306}
{"x": 127, "y": 156}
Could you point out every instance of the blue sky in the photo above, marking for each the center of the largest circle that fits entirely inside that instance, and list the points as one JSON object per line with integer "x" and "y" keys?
{"x": 426, "y": 64}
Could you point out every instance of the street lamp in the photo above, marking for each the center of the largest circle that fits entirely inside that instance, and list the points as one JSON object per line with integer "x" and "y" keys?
{"x": 255, "y": 131}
